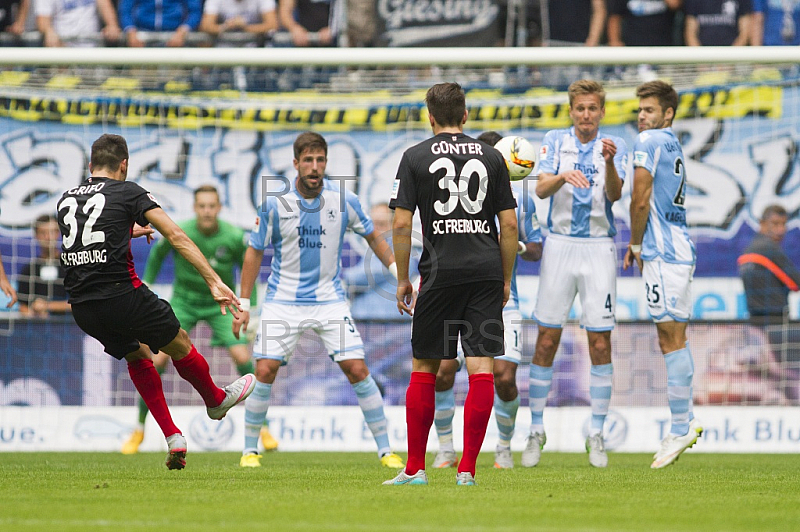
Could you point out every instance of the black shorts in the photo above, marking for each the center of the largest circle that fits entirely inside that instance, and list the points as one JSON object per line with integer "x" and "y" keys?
{"x": 122, "y": 322}
{"x": 475, "y": 311}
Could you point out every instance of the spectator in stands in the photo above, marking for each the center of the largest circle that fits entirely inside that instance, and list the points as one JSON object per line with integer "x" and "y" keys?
{"x": 371, "y": 282}
{"x": 303, "y": 17}
{"x": 40, "y": 285}
{"x": 767, "y": 273}
{"x": 13, "y": 14}
{"x": 76, "y": 22}
{"x": 642, "y": 22}
{"x": 362, "y": 21}
{"x": 768, "y": 276}
{"x": 776, "y": 23}
{"x": 176, "y": 16}
{"x": 717, "y": 22}
{"x": 573, "y": 22}
{"x": 6, "y": 287}
{"x": 257, "y": 17}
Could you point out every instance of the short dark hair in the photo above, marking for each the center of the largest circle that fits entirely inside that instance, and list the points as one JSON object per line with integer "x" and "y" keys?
{"x": 490, "y": 137}
{"x": 309, "y": 140}
{"x": 664, "y": 92}
{"x": 43, "y": 219}
{"x": 586, "y": 86}
{"x": 205, "y": 188}
{"x": 446, "y": 103}
{"x": 774, "y": 210}
{"x": 109, "y": 151}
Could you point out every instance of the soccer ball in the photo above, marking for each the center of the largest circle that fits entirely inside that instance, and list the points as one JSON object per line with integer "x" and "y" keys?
{"x": 520, "y": 156}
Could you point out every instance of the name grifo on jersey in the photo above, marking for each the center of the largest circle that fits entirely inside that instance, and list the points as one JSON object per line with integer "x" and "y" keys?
{"x": 446, "y": 148}
{"x": 86, "y": 189}
{"x": 460, "y": 226}
{"x": 77, "y": 258}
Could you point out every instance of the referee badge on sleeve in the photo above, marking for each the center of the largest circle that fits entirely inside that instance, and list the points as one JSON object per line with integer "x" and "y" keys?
{"x": 395, "y": 188}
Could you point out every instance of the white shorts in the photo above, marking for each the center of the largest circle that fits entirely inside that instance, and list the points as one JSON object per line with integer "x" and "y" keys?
{"x": 282, "y": 325}
{"x": 669, "y": 290}
{"x": 585, "y": 266}
{"x": 512, "y": 323}
{"x": 512, "y": 326}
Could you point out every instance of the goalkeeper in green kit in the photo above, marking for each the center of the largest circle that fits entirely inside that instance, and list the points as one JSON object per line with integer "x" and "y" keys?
{"x": 223, "y": 245}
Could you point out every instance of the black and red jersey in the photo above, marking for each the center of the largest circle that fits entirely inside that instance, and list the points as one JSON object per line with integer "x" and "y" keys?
{"x": 459, "y": 184}
{"x": 96, "y": 219}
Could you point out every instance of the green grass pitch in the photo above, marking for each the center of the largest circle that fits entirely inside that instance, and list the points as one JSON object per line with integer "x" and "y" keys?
{"x": 343, "y": 492}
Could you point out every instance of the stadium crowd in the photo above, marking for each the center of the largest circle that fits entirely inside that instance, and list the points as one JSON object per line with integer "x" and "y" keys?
{"x": 176, "y": 23}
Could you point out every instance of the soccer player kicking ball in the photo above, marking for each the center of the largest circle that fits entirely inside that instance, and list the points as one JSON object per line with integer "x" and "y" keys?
{"x": 306, "y": 226}
{"x": 462, "y": 189}
{"x": 97, "y": 220}
{"x": 661, "y": 248}
{"x": 223, "y": 246}
{"x": 506, "y": 398}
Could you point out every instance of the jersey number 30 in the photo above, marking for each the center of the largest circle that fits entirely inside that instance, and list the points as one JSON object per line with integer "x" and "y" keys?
{"x": 93, "y": 207}
{"x": 459, "y": 189}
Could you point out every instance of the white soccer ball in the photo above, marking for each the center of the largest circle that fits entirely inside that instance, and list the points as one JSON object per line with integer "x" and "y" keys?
{"x": 520, "y": 156}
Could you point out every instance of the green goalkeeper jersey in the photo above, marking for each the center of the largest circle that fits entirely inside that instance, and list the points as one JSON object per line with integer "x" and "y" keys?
{"x": 223, "y": 250}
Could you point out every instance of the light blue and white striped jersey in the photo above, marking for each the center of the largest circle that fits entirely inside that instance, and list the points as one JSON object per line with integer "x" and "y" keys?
{"x": 659, "y": 152}
{"x": 306, "y": 237}
{"x": 581, "y": 212}
{"x": 528, "y": 229}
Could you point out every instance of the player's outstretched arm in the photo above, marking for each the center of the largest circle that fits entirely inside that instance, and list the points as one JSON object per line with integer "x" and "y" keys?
{"x": 401, "y": 240}
{"x": 508, "y": 247}
{"x": 250, "y": 267}
{"x": 181, "y": 243}
{"x": 640, "y": 211}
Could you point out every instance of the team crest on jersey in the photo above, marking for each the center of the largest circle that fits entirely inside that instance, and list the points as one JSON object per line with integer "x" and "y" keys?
{"x": 331, "y": 214}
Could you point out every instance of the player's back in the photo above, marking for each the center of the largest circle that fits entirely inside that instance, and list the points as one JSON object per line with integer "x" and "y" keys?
{"x": 459, "y": 185}
{"x": 666, "y": 236}
{"x": 96, "y": 219}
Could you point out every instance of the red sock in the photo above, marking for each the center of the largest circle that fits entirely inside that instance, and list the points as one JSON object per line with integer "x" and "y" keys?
{"x": 145, "y": 377}
{"x": 194, "y": 369}
{"x": 420, "y": 407}
{"x": 477, "y": 411}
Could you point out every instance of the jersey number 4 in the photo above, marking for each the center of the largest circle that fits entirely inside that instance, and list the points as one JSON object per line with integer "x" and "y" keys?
{"x": 93, "y": 207}
{"x": 459, "y": 189}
